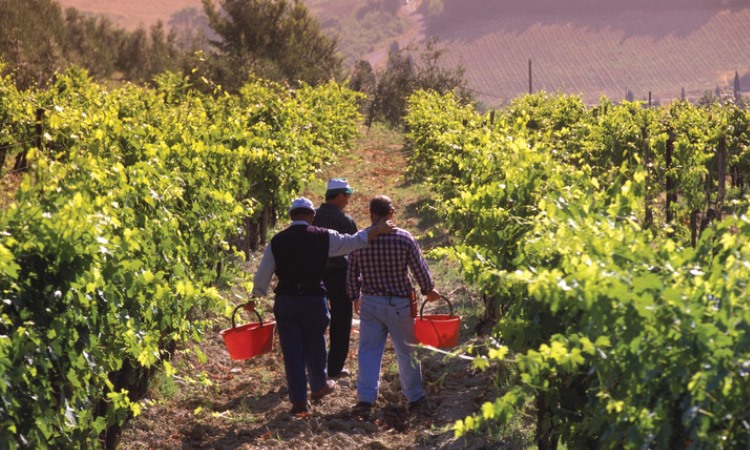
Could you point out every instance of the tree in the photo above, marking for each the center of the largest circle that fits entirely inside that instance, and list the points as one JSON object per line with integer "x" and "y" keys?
{"x": 363, "y": 79}
{"x": 402, "y": 76}
{"x": 275, "y": 39}
{"x": 708, "y": 98}
{"x": 89, "y": 42}
{"x": 133, "y": 57}
{"x": 394, "y": 85}
{"x": 38, "y": 41}
{"x": 162, "y": 52}
{"x": 737, "y": 89}
{"x": 629, "y": 96}
{"x": 191, "y": 29}
{"x": 31, "y": 40}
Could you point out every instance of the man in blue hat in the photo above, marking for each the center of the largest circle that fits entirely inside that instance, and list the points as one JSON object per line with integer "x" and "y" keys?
{"x": 331, "y": 215}
{"x": 298, "y": 256}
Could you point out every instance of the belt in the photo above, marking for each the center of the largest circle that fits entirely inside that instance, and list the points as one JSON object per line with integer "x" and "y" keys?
{"x": 300, "y": 290}
{"x": 389, "y": 295}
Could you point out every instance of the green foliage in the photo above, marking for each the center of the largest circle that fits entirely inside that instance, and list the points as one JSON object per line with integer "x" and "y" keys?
{"x": 402, "y": 77}
{"x": 361, "y": 26}
{"x": 110, "y": 248}
{"x": 279, "y": 40}
{"x": 32, "y": 49}
{"x": 626, "y": 335}
{"x": 16, "y": 120}
{"x": 39, "y": 40}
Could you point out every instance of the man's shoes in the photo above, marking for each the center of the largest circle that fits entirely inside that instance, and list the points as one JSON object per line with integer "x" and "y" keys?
{"x": 344, "y": 373}
{"x": 299, "y": 408}
{"x": 327, "y": 389}
{"x": 362, "y": 407}
{"x": 414, "y": 406}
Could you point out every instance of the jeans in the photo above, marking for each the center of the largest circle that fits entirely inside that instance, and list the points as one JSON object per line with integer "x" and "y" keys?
{"x": 301, "y": 321}
{"x": 380, "y": 316}
{"x": 341, "y": 319}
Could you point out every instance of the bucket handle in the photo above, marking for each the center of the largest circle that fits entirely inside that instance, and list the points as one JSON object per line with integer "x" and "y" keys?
{"x": 421, "y": 310}
{"x": 247, "y": 306}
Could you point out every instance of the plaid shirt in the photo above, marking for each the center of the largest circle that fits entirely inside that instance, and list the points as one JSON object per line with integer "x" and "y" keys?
{"x": 381, "y": 267}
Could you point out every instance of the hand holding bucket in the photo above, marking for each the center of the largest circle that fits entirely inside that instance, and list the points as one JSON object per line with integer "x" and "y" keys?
{"x": 248, "y": 340}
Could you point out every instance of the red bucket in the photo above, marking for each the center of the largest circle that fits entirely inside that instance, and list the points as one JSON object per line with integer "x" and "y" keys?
{"x": 437, "y": 330}
{"x": 249, "y": 340}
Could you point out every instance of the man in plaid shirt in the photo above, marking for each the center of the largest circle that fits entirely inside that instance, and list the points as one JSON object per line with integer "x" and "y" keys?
{"x": 378, "y": 282}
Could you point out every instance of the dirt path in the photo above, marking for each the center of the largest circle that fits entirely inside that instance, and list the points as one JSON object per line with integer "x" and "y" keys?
{"x": 225, "y": 404}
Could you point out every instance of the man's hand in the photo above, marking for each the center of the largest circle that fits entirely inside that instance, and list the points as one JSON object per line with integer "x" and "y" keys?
{"x": 432, "y": 295}
{"x": 356, "y": 305}
{"x": 250, "y": 306}
{"x": 382, "y": 227}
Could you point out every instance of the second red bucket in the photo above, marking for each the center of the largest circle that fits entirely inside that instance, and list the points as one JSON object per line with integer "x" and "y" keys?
{"x": 249, "y": 340}
{"x": 437, "y": 330}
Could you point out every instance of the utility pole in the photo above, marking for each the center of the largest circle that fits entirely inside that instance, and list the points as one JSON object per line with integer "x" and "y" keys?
{"x": 531, "y": 91}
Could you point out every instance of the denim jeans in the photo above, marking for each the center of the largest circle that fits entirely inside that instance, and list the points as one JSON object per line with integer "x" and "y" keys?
{"x": 380, "y": 316}
{"x": 301, "y": 321}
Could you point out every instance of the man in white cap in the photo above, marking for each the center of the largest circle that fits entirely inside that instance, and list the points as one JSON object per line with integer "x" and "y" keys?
{"x": 331, "y": 215}
{"x": 298, "y": 256}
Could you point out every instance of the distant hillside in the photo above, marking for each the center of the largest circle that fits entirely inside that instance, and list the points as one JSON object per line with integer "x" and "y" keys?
{"x": 586, "y": 47}
{"x": 594, "y": 48}
{"x": 131, "y": 14}
{"x": 363, "y": 26}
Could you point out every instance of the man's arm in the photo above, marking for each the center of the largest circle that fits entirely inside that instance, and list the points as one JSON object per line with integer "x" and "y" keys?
{"x": 353, "y": 280}
{"x": 263, "y": 275}
{"x": 342, "y": 244}
{"x": 421, "y": 272}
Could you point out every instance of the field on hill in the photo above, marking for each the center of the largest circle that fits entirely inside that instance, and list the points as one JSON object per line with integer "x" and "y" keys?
{"x": 134, "y": 13}
{"x": 597, "y": 50}
{"x": 576, "y": 46}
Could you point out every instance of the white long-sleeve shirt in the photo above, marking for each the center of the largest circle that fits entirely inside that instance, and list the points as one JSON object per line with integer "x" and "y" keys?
{"x": 338, "y": 245}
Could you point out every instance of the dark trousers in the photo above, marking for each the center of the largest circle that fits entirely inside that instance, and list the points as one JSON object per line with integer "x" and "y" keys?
{"x": 341, "y": 319}
{"x": 301, "y": 321}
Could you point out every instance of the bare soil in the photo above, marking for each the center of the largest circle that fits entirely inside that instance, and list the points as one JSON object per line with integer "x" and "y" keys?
{"x": 247, "y": 407}
{"x": 244, "y": 404}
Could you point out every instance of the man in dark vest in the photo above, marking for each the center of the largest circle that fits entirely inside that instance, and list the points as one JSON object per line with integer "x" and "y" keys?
{"x": 298, "y": 256}
{"x": 331, "y": 215}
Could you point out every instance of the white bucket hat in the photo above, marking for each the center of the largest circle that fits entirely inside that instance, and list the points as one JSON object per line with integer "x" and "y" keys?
{"x": 301, "y": 203}
{"x": 339, "y": 185}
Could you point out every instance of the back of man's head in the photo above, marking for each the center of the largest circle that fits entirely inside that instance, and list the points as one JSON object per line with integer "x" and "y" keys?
{"x": 381, "y": 206}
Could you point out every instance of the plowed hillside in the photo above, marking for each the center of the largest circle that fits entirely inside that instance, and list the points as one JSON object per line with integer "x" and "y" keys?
{"x": 133, "y": 13}
{"x": 596, "y": 49}
{"x": 586, "y": 47}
